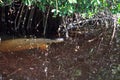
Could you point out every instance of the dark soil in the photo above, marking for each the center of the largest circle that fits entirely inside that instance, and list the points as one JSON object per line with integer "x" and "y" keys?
{"x": 74, "y": 59}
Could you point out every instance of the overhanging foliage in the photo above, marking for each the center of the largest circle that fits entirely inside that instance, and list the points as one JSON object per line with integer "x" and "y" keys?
{"x": 68, "y": 7}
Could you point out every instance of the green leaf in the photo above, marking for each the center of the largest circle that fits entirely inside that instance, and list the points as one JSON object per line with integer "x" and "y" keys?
{"x": 119, "y": 7}
{"x": 28, "y": 2}
{"x": 55, "y": 10}
{"x": 72, "y": 1}
{"x": 118, "y": 20}
{"x": 98, "y": 1}
{"x": 1, "y": 3}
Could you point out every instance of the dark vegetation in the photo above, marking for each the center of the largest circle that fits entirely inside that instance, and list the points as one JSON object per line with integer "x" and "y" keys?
{"x": 91, "y": 50}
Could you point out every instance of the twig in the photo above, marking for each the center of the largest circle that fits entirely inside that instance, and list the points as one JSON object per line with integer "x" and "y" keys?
{"x": 30, "y": 17}
{"x": 19, "y": 69}
{"x": 17, "y": 15}
{"x": 99, "y": 44}
{"x": 45, "y": 23}
{"x": 114, "y": 30}
{"x": 25, "y": 17}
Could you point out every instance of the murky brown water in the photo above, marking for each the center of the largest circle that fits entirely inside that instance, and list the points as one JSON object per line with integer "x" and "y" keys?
{"x": 76, "y": 59}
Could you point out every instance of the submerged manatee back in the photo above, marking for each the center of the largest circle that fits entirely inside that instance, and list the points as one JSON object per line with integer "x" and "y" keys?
{"x": 24, "y": 44}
